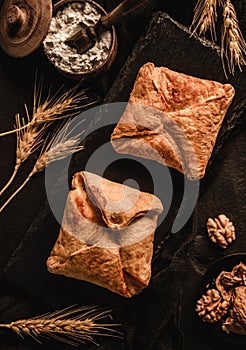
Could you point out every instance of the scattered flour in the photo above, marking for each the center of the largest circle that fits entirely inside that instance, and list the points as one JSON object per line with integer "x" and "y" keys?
{"x": 62, "y": 26}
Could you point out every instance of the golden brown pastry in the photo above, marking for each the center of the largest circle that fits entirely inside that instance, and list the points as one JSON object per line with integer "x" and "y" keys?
{"x": 107, "y": 235}
{"x": 173, "y": 118}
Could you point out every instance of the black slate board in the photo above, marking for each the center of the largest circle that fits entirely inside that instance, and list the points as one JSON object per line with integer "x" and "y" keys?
{"x": 221, "y": 191}
{"x": 165, "y": 43}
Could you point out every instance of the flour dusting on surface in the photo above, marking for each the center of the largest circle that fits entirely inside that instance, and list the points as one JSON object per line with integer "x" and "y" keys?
{"x": 65, "y": 22}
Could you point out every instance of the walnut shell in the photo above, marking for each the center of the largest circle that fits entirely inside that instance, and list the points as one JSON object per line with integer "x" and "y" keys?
{"x": 227, "y": 281}
{"x": 236, "y": 322}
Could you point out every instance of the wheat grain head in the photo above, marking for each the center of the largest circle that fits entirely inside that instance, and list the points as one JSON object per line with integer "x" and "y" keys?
{"x": 56, "y": 106}
{"x": 71, "y": 325}
{"x": 233, "y": 45}
{"x": 62, "y": 144}
{"x": 205, "y": 17}
{"x": 28, "y": 139}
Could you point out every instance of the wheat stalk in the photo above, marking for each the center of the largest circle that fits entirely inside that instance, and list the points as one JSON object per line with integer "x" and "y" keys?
{"x": 29, "y": 133}
{"x": 205, "y": 17}
{"x": 71, "y": 325}
{"x": 233, "y": 45}
{"x": 61, "y": 145}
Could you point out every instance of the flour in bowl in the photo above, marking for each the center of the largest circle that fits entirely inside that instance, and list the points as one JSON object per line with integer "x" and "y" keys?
{"x": 65, "y": 22}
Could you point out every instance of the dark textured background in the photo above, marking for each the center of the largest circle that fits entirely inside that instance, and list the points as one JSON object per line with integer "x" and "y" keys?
{"x": 162, "y": 317}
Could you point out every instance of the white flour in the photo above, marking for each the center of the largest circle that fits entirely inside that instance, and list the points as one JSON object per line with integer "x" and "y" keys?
{"x": 62, "y": 26}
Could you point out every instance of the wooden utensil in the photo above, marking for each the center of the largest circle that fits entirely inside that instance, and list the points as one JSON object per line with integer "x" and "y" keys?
{"x": 24, "y": 25}
{"x": 85, "y": 37}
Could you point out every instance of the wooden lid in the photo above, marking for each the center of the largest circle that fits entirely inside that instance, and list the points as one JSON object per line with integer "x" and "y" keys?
{"x": 24, "y": 25}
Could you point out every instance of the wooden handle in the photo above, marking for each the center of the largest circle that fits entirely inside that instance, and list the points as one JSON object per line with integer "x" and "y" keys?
{"x": 15, "y": 15}
{"x": 85, "y": 38}
{"x": 120, "y": 11}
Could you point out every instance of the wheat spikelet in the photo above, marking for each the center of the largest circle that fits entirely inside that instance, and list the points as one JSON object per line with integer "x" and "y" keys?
{"x": 71, "y": 325}
{"x": 62, "y": 144}
{"x": 205, "y": 17}
{"x": 233, "y": 45}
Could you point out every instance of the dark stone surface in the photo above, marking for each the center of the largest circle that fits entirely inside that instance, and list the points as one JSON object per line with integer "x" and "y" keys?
{"x": 162, "y": 317}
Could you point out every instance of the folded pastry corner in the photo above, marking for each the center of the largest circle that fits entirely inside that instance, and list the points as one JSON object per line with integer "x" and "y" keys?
{"x": 173, "y": 118}
{"x": 107, "y": 235}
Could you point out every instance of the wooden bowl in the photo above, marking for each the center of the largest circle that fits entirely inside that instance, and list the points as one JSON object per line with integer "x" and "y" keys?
{"x": 105, "y": 65}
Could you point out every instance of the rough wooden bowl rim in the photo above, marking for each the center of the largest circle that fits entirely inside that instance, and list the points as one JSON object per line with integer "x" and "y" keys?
{"x": 105, "y": 65}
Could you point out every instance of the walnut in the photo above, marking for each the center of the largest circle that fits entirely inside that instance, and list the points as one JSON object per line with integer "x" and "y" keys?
{"x": 211, "y": 307}
{"x": 236, "y": 322}
{"x": 221, "y": 231}
{"x": 227, "y": 301}
{"x": 239, "y": 271}
{"x": 227, "y": 281}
